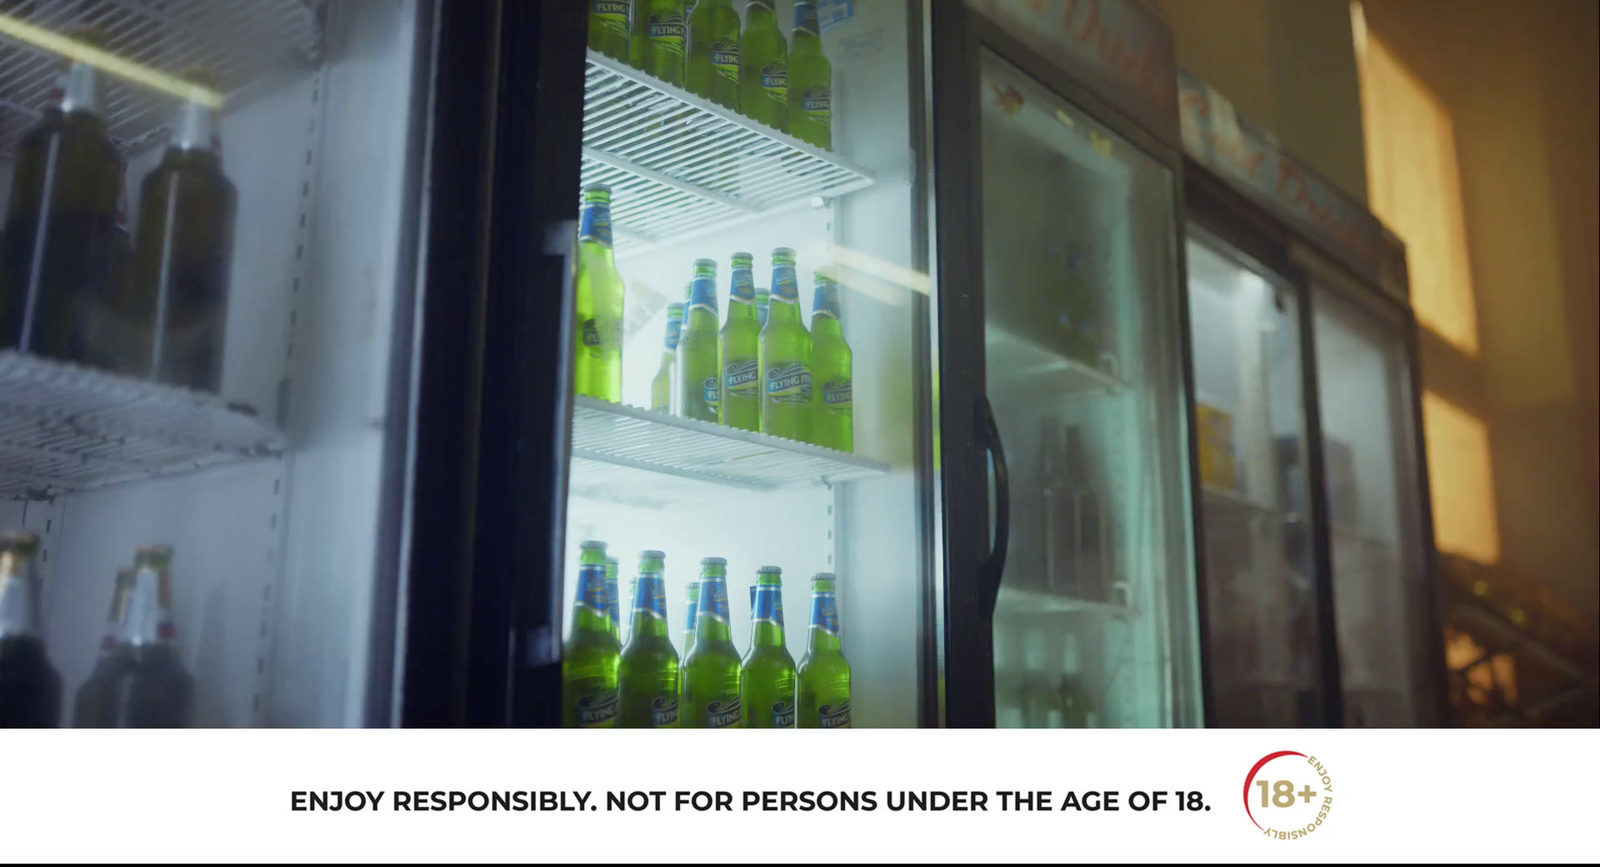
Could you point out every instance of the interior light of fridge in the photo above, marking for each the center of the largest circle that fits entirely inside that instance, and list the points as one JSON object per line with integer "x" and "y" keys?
{"x": 866, "y": 263}
{"x": 72, "y": 49}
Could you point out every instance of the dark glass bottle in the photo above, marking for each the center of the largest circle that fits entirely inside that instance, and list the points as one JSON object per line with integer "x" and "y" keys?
{"x": 183, "y": 252}
{"x": 61, "y": 220}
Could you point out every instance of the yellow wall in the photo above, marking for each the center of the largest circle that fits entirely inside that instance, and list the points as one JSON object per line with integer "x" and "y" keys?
{"x": 1519, "y": 81}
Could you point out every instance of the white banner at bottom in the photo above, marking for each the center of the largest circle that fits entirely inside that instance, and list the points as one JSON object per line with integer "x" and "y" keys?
{"x": 757, "y": 796}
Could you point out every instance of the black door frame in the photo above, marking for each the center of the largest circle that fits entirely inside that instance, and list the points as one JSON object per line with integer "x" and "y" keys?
{"x": 973, "y": 566}
{"x": 1235, "y": 221}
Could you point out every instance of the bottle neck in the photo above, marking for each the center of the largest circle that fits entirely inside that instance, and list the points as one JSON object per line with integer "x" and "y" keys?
{"x": 823, "y": 325}
{"x": 589, "y": 608}
{"x": 115, "y": 635}
{"x": 19, "y": 599}
{"x": 767, "y": 629}
{"x": 195, "y": 129}
{"x": 760, "y": 13}
{"x": 80, "y": 91}
{"x": 805, "y": 30}
{"x": 691, "y": 616}
{"x": 824, "y": 636}
{"x": 594, "y": 236}
{"x": 149, "y": 620}
{"x": 649, "y": 608}
{"x": 712, "y": 623}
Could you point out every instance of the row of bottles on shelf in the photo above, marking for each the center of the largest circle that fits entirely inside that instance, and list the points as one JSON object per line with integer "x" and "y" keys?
{"x": 1029, "y": 699}
{"x": 754, "y": 72}
{"x": 73, "y": 286}
{"x": 641, "y": 684}
{"x": 1074, "y": 530}
{"x": 138, "y": 681}
{"x": 768, "y": 374}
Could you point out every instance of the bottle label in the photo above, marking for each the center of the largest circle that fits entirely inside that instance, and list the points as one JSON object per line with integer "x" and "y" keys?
{"x": 714, "y": 599}
{"x": 667, "y": 30}
{"x": 591, "y": 334}
{"x": 817, "y": 103}
{"x": 744, "y": 286}
{"x": 693, "y": 608}
{"x": 597, "y": 708}
{"x": 592, "y": 588}
{"x": 703, "y": 295}
{"x": 613, "y": 604}
{"x": 785, "y": 287}
{"x": 650, "y": 598}
{"x": 611, "y": 15}
{"x": 835, "y": 715}
{"x": 596, "y": 225}
{"x": 725, "y": 59}
{"x": 712, "y": 391}
{"x": 783, "y": 713}
{"x": 825, "y": 614}
{"x": 775, "y": 82}
{"x": 674, "y": 332}
{"x": 789, "y": 383}
{"x": 724, "y": 713}
{"x": 741, "y": 375}
{"x": 664, "y": 711}
{"x": 769, "y": 605}
{"x": 836, "y": 396}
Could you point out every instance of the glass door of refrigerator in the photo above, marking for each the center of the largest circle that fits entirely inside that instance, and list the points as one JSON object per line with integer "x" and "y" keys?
{"x": 204, "y": 283}
{"x": 1261, "y": 593}
{"x": 691, "y": 179}
{"x": 1094, "y": 624}
{"x": 1385, "y": 636}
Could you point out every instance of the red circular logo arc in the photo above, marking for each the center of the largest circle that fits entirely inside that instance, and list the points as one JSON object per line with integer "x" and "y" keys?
{"x": 1250, "y": 778}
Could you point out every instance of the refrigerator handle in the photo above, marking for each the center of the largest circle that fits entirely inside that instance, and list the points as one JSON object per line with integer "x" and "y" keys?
{"x": 994, "y": 566}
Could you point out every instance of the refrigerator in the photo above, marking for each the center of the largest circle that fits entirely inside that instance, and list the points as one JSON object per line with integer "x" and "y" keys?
{"x": 286, "y": 491}
{"x": 1003, "y": 217}
{"x": 1314, "y": 507}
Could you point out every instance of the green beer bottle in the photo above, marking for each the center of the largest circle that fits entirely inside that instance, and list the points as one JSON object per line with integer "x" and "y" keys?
{"x": 711, "y": 693}
{"x": 768, "y": 696}
{"x": 764, "y": 67}
{"x": 691, "y": 607}
{"x": 740, "y": 401}
{"x": 608, "y": 27}
{"x": 763, "y": 301}
{"x": 597, "y": 368}
{"x": 785, "y": 357}
{"x": 633, "y": 590}
{"x": 660, "y": 34}
{"x": 824, "y": 700}
{"x": 830, "y": 364}
{"x": 810, "y": 81}
{"x": 699, "y": 348}
{"x": 613, "y": 603}
{"x": 649, "y": 671}
{"x": 712, "y": 70}
{"x": 589, "y": 661}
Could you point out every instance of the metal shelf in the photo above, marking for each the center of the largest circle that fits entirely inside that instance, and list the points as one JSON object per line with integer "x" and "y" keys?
{"x": 1017, "y": 602}
{"x": 632, "y": 455}
{"x": 65, "y": 428}
{"x": 678, "y": 163}
{"x": 240, "y": 41}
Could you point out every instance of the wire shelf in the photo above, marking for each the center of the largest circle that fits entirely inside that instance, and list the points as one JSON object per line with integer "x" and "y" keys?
{"x": 678, "y": 163}
{"x": 1020, "y": 602}
{"x": 632, "y": 455}
{"x": 239, "y": 41}
{"x": 65, "y": 428}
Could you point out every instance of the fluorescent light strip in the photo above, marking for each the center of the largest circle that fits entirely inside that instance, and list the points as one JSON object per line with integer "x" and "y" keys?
{"x": 105, "y": 61}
